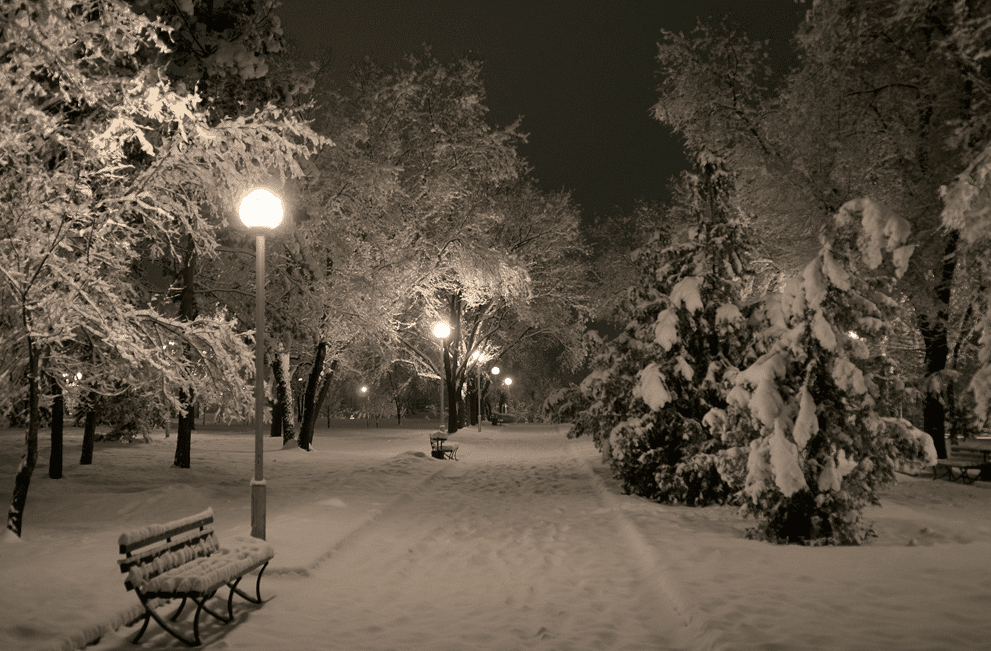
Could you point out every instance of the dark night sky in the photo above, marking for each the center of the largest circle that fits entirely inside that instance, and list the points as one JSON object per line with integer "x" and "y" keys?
{"x": 581, "y": 74}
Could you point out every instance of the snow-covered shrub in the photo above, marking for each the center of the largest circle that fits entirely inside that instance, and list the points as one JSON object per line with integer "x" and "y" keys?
{"x": 807, "y": 447}
{"x": 685, "y": 334}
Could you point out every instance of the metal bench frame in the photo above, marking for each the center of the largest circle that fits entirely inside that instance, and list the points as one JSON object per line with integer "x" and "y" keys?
{"x": 962, "y": 465}
{"x": 440, "y": 449}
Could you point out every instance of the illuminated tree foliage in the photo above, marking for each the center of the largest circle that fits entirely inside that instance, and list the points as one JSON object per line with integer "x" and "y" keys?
{"x": 104, "y": 162}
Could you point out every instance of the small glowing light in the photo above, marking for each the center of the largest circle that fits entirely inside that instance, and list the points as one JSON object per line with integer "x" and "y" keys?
{"x": 495, "y": 370}
{"x": 508, "y": 381}
{"x": 364, "y": 389}
{"x": 442, "y": 330}
{"x": 261, "y": 208}
{"x": 79, "y": 376}
{"x": 853, "y": 335}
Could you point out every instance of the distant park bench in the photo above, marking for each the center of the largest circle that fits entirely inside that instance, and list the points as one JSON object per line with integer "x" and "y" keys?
{"x": 441, "y": 449}
{"x": 183, "y": 559}
{"x": 962, "y": 460}
{"x": 500, "y": 419}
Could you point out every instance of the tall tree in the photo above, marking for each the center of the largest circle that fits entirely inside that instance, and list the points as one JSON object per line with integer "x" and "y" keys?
{"x": 102, "y": 160}
{"x": 685, "y": 338}
{"x": 806, "y": 447}
{"x": 867, "y": 112}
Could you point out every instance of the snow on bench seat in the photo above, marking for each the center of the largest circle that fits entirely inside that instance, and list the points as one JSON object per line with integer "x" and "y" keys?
{"x": 193, "y": 573}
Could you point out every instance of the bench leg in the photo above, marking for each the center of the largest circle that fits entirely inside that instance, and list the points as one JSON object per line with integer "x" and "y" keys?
{"x": 166, "y": 626}
{"x": 257, "y": 599}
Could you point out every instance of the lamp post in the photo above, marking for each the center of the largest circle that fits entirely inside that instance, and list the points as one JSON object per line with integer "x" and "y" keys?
{"x": 508, "y": 382}
{"x": 495, "y": 372}
{"x": 442, "y": 331}
{"x": 477, "y": 358}
{"x": 368, "y": 407}
{"x": 260, "y": 210}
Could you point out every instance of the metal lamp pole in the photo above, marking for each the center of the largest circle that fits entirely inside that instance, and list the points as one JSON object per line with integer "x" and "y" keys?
{"x": 495, "y": 372}
{"x": 477, "y": 357}
{"x": 442, "y": 331}
{"x": 508, "y": 382}
{"x": 259, "y": 210}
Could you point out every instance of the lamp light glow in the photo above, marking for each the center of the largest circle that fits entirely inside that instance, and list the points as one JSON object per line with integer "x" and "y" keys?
{"x": 442, "y": 330}
{"x": 261, "y": 208}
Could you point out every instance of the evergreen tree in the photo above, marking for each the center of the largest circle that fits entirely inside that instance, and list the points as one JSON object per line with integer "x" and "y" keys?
{"x": 807, "y": 446}
{"x": 653, "y": 384}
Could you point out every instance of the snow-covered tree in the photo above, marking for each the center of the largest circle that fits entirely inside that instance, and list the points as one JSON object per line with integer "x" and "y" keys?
{"x": 424, "y": 212}
{"x": 806, "y": 445}
{"x": 654, "y": 384}
{"x": 869, "y": 110}
{"x": 967, "y": 198}
{"x": 103, "y": 162}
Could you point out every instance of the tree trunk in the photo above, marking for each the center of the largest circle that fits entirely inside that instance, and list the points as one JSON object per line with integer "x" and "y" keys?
{"x": 184, "y": 433}
{"x": 309, "y": 421}
{"x": 22, "y": 480}
{"x": 310, "y": 417}
{"x": 451, "y": 347}
{"x": 188, "y": 311}
{"x": 936, "y": 339}
{"x": 275, "y": 430}
{"x": 58, "y": 422}
{"x": 89, "y": 437}
{"x": 283, "y": 395}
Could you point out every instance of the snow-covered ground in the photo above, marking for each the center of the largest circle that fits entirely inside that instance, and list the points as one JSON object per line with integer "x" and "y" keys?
{"x": 524, "y": 543}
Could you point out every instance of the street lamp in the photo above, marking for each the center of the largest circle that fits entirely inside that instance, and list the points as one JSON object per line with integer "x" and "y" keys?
{"x": 477, "y": 358}
{"x": 442, "y": 331}
{"x": 368, "y": 408}
{"x": 260, "y": 211}
{"x": 508, "y": 382}
{"x": 495, "y": 372}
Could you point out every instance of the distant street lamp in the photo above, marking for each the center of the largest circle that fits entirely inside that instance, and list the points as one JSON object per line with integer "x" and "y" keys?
{"x": 260, "y": 211}
{"x": 495, "y": 372}
{"x": 364, "y": 392}
{"x": 505, "y": 405}
{"x": 442, "y": 331}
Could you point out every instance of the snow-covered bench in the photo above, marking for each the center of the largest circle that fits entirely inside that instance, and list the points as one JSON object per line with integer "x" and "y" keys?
{"x": 441, "y": 449}
{"x": 183, "y": 559}
{"x": 962, "y": 463}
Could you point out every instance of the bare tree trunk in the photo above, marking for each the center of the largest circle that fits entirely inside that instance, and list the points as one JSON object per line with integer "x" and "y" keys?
{"x": 936, "y": 338}
{"x": 275, "y": 430}
{"x": 184, "y": 433}
{"x": 188, "y": 311}
{"x": 22, "y": 480}
{"x": 313, "y": 400}
{"x": 283, "y": 395}
{"x": 58, "y": 430}
{"x": 89, "y": 437}
{"x": 309, "y": 420}
{"x": 451, "y": 364}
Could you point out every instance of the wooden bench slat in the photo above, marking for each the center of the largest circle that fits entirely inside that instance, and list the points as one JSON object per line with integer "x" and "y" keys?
{"x": 151, "y": 534}
{"x": 143, "y": 554}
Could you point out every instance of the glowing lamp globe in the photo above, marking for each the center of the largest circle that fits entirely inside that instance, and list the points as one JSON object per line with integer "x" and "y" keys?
{"x": 508, "y": 381}
{"x": 261, "y": 209}
{"x": 442, "y": 330}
